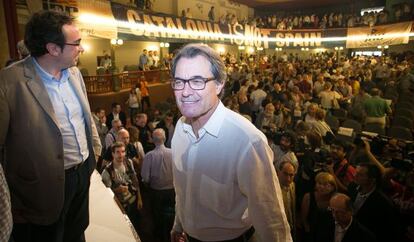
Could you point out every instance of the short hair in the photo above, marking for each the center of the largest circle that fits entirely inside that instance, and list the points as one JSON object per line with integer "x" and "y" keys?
{"x": 325, "y": 177}
{"x": 98, "y": 109}
{"x": 373, "y": 172}
{"x": 141, "y": 115}
{"x": 314, "y": 139}
{"x": 113, "y": 105}
{"x": 320, "y": 114}
{"x": 283, "y": 163}
{"x": 116, "y": 145}
{"x": 375, "y": 92}
{"x": 158, "y": 136}
{"x": 22, "y": 49}
{"x": 290, "y": 136}
{"x": 327, "y": 85}
{"x": 217, "y": 66}
{"x": 115, "y": 121}
{"x": 347, "y": 200}
{"x": 122, "y": 131}
{"x": 45, "y": 27}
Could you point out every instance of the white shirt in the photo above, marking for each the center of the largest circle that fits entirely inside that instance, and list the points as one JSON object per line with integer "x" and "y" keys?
{"x": 327, "y": 98}
{"x": 225, "y": 181}
{"x": 340, "y": 232}
{"x": 157, "y": 168}
{"x": 257, "y": 96}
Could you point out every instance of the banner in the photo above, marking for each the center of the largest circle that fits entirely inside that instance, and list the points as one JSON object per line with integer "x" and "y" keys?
{"x": 391, "y": 34}
{"x": 138, "y": 25}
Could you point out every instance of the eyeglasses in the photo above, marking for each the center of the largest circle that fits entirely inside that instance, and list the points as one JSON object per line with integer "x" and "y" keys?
{"x": 195, "y": 83}
{"x": 77, "y": 43}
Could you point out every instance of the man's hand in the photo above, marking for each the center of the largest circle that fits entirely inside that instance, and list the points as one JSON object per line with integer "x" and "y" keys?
{"x": 367, "y": 147}
{"x": 178, "y": 236}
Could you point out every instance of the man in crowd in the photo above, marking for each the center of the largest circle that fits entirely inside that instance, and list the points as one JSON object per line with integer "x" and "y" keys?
{"x": 340, "y": 168}
{"x": 371, "y": 206}
{"x": 284, "y": 151}
{"x": 100, "y": 122}
{"x": 376, "y": 108}
{"x": 48, "y": 140}
{"x": 257, "y": 97}
{"x": 167, "y": 124}
{"x": 347, "y": 228}
{"x": 286, "y": 173}
{"x": 211, "y": 14}
{"x": 221, "y": 193}
{"x": 110, "y": 137}
{"x": 130, "y": 150}
{"x": 121, "y": 177}
{"x": 157, "y": 173}
{"x": 116, "y": 113}
{"x": 143, "y": 61}
{"x": 141, "y": 122}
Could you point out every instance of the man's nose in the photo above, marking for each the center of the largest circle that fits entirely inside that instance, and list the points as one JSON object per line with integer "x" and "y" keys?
{"x": 187, "y": 90}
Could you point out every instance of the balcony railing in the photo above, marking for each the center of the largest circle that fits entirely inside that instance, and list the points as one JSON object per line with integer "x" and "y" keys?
{"x": 115, "y": 82}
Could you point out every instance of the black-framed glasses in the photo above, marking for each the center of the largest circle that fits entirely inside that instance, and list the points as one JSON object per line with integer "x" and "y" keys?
{"x": 77, "y": 43}
{"x": 195, "y": 83}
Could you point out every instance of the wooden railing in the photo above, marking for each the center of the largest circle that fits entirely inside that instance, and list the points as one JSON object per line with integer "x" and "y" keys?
{"x": 115, "y": 82}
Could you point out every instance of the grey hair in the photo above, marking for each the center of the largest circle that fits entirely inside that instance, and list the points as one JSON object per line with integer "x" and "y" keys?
{"x": 283, "y": 163}
{"x": 193, "y": 50}
{"x": 158, "y": 136}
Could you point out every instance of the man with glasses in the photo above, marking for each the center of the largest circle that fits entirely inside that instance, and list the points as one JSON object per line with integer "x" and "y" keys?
{"x": 48, "y": 140}
{"x": 347, "y": 228}
{"x": 225, "y": 183}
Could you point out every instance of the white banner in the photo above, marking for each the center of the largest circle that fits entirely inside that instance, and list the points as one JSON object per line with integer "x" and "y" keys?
{"x": 391, "y": 34}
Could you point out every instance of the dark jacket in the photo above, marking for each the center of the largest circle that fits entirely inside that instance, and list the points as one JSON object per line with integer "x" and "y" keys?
{"x": 378, "y": 215}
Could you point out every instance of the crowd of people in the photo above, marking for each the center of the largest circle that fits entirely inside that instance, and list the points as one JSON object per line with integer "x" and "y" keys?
{"x": 285, "y": 161}
{"x": 334, "y": 19}
{"x": 286, "y": 21}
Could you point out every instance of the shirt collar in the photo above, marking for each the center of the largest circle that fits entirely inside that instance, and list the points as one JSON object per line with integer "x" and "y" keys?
{"x": 339, "y": 227}
{"x": 214, "y": 123}
{"x": 365, "y": 195}
{"x": 45, "y": 76}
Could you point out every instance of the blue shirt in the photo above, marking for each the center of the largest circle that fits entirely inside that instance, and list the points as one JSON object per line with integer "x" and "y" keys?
{"x": 69, "y": 114}
{"x": 143, "y": 60}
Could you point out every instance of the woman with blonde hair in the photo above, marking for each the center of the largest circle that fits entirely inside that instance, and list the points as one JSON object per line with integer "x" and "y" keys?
{"x": 317, "y": 219}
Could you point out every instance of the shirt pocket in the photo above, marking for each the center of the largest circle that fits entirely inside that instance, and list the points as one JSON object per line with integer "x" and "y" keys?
{"x": 216, "y": 196}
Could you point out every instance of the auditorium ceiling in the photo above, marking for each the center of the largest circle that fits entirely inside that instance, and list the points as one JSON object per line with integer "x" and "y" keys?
{"x": 291, "y": 4}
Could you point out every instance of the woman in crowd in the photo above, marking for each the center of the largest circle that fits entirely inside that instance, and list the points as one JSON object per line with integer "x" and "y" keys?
{"x": 317, "y": 219}
{"x": 133, "y": 102}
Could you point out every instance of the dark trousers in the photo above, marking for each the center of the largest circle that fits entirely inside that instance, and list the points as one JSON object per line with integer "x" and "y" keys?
{"x": 242, "y": 238}
{"x": 74, "y": 217}
{"x": 163, "y": 212}
{"x": 145, "y": 100}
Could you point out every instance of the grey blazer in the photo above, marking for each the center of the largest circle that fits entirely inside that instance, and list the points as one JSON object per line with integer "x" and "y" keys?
{"x": 31, "y": 145}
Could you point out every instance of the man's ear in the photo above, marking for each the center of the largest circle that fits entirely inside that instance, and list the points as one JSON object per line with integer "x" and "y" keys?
{"x": 219, "y": 88}
{"x": 53, "y": 49}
